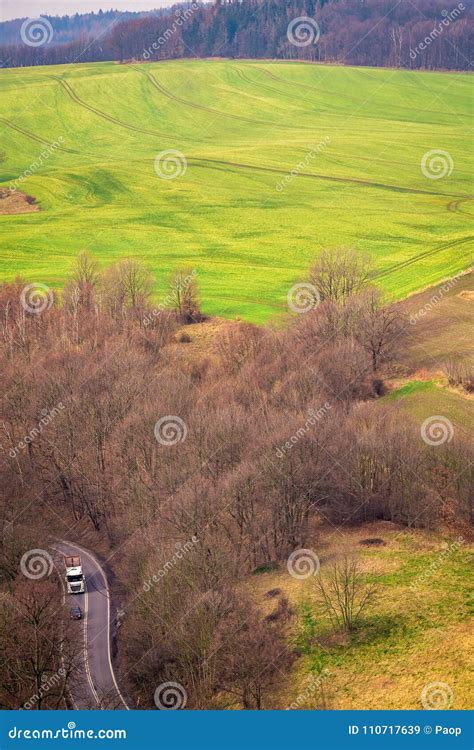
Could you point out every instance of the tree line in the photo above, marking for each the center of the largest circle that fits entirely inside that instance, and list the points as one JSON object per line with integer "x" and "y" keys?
{"x": 198, "y": 468}
{"x": 371, "y": 33}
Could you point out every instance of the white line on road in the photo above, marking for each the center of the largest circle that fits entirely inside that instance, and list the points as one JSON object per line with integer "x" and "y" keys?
{"x": 63, "y": 602}
{"x": 86, "y": 649}
{"x": 104, "y": 577}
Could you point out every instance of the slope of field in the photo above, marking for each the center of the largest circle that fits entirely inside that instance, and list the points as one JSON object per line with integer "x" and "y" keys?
{"x": 282, "y": 160}
{"x": 415, "y": 633}
{"x": 422, "y": 399}
{"x": 440, "y": 325}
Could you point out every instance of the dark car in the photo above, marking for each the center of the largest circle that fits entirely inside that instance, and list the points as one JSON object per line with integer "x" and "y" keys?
{"x": 75, "y": 613}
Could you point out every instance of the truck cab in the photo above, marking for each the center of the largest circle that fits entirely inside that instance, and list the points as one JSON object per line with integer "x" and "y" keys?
{"x": 75, "y": 582}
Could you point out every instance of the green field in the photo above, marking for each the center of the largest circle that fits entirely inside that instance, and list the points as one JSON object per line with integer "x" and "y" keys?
{"x": 421, "y": 399}
{"x": 417, "y": 631}
{"x": 237, "y": 215}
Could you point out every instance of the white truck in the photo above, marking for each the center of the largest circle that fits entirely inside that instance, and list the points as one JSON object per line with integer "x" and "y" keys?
{"x": 75, "y": 582}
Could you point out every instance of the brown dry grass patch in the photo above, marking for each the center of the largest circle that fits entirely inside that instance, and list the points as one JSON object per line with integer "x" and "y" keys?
{"x": 442, "y": 325}
{"x": 15, "y": 202}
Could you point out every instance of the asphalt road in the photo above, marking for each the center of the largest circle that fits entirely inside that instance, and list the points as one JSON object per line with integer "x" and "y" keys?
{"x": 96, "y": 687}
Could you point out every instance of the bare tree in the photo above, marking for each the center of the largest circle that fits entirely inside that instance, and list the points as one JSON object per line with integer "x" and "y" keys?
{"x": 255, "y": 655}
{"x": 460, "y": 373}
{"x": 40, "y": 656}
{"x": 79, "y": 296}
{"x": 343, "y": 593}
{"x": 127, "y": 285}
{"x": 183, "y": 294}
{"x": 237, "y": 343}
{"x": 85, "y": 271}
{"x": 396, "y": 35}
{"x": 379, "y": 328}
{"x": 338, "y": 273}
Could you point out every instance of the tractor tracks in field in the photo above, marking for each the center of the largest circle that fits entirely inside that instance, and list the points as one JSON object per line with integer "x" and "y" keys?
{"x": 421, "y": 256}
{"x": 259, "y": 84}
{"x": 89, "y": 192}
{"x": 227, "y": 166}
{"x": 455, "y": 201}
{"x": 104, "y": 115}
{"x": 453, "y": 206}
{"x": 34, "y": 137}
{"x": 37, "y": 138}
{"x": 354, "y": 99}
{"x": 380, "y": 274}
{"x": 194, "y": 105}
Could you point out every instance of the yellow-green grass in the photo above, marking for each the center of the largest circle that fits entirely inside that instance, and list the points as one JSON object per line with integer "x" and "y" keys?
{"x": 440, "y": 325}
{"x": 354, "y": 139}
{"x": 417, "y": 631}
{"x": 424, "y": 399}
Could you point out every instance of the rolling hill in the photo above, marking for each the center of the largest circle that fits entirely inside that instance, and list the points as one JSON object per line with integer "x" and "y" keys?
{"x": 276, "y": 160}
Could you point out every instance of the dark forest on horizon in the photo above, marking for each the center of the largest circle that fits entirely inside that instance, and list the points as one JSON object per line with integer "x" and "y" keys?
{"x": 354, "y": 32}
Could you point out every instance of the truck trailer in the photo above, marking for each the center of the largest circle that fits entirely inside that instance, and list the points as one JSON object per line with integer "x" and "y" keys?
{"x": 75, "y": 582}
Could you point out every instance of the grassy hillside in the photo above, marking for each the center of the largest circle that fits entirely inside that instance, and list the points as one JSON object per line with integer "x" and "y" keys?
{"x": 440, "y": 331}
{"x": 440, "y": 324}
{"x": 354, "y": 137}
{"x": 417, "y": 631}
{"x": 422, "y": 399}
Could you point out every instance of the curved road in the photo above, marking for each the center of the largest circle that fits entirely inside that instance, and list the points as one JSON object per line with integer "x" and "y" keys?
{"x": 97, "y": 686}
